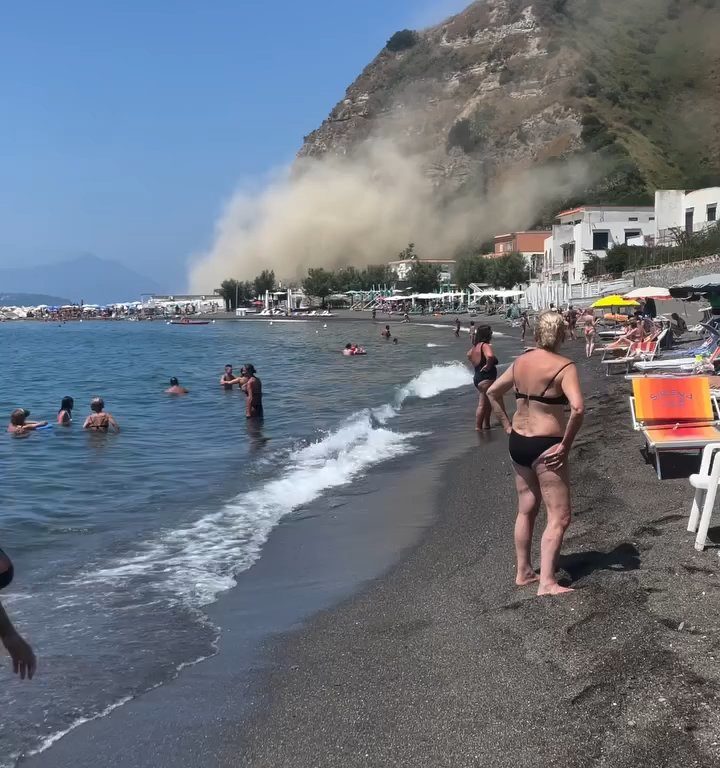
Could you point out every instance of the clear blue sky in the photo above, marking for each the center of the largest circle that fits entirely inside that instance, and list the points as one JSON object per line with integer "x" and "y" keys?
{"x": 125, "y": 124}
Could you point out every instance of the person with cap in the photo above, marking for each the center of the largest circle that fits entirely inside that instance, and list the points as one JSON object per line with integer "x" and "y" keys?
{"x": 23, "y": 658}
{"x": 253, "y": 389}
{"x": 175, "y": 388}
{"x": 19, "y": 425}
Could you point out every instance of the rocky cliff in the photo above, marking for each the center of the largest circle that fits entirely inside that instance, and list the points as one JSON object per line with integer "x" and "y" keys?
{"x": 508, "y": 84}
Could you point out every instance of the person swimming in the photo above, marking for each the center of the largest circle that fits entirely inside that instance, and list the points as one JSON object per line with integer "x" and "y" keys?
{"x": 100, "y": 420}
{"x": 352, "y": 349}
{"x": 385, "y": 333}
{"x": 228, "y": 378}
{"x": 64, "y": 415}
{"x": 19, "y": 425}
{"x": 175, "y": 388}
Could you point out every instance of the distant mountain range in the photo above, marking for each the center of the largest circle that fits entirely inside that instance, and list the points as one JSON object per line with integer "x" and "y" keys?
{"x": 31, "y": 300}
{"x": 84, "y": 278}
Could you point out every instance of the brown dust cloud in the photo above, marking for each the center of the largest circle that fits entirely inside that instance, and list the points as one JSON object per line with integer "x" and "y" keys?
{"x": 363, "y": 210}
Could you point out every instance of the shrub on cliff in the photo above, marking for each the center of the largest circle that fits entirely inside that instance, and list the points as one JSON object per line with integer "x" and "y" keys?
{"x": 402, "y": 40}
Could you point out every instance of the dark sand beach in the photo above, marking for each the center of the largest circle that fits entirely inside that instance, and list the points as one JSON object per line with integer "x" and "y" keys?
{"x": 444, "y": 662}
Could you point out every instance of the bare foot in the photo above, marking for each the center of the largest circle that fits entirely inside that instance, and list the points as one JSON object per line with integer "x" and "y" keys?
{"x": 526, "y": 577}
{"x": 553, "y": 589}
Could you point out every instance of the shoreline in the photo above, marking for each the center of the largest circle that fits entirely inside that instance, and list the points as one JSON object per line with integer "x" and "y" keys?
{"x": 444, "y": 662}
{"x": 440, "y": 660}
{"x": 314, "y": 559}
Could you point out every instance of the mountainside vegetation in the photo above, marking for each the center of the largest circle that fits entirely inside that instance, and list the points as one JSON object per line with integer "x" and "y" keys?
{"x": 631, "y": 87}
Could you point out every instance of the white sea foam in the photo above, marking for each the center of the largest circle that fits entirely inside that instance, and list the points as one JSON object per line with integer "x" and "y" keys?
{"x": 198, "y": 561}
{"x": 432, "y": 346}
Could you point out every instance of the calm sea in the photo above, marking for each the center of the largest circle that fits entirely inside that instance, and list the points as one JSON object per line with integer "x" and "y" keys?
{"x": 120, "y": 541}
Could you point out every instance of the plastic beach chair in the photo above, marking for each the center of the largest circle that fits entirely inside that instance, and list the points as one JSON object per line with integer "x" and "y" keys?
{"x": 620, "y": 356}
{"x": 675, "y": 363}
{"x": 705, "y": 483}
{"x": 674, "y": 414}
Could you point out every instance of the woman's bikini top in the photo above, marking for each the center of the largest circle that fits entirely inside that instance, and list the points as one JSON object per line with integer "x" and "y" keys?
{"x": 559, "y": 400}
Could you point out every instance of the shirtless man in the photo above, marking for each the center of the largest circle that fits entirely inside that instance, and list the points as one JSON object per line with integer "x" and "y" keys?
{"x": 386, "y": 332}
{"x": 228, "y": 378}
{"x": 19, "y": 425}
{"x": 23, "y": 658}
{"x": 175, "y": 388}
{"x": 100, "y": 420}
{"x": 253, "y": 389}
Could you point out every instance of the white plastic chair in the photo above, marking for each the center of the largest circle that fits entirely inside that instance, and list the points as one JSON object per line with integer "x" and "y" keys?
{"x": 706, "y": 484}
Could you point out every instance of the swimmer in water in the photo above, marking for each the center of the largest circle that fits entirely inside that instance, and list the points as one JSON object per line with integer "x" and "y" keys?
{"x": 253, "y": 389}
{"x": 395, "y": 341}
{"x": 228, "y": 378}
{"x": 386, "y": 332}
{"x": 19, "y": 425}
{"x": 100, "y": 420}
{"x": 64, "y": 416}
{"x": 175, "y": 388}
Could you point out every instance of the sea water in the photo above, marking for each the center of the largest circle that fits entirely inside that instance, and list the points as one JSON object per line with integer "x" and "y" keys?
{"x": 120, "y": 541}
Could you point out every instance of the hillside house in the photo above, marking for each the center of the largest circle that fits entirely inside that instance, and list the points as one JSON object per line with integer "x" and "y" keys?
{"x": 531, "y": 245}
{"x": 401, "y": 269}
{"x": 591, "y": 231}
{"x": 689, "y": 212}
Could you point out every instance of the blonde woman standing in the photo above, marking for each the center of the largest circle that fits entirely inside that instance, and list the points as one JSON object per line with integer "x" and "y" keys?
{"x": 545, "y": 383}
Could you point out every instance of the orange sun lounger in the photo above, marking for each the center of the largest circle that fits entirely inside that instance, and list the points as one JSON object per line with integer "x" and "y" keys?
{"x": 674, "y": 414}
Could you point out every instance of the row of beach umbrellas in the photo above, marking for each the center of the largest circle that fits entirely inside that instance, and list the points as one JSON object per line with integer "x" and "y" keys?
{"x": 697, "y": 287}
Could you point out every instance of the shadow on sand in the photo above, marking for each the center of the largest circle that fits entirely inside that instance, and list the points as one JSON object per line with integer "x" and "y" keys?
{"x": 625, "y": 557}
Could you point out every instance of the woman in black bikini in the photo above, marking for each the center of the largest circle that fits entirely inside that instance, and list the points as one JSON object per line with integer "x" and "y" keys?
{"x": 484, "y": 362}
{"x": 541, "y": 435}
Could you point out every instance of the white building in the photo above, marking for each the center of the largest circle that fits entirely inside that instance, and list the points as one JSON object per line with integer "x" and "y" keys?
{"x": 591, "y": 231}
{"x": 402, "y": 268}
{"x": 676, "y": 209}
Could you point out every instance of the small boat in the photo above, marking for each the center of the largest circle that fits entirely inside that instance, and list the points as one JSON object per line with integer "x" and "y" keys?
{"x": 189, "y": 322}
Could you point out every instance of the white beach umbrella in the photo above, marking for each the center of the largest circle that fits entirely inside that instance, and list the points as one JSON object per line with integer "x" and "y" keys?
{"x": 651, "y": 292}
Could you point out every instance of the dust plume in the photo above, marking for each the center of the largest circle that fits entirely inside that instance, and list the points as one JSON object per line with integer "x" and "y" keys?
{"x": 363, "y": 209}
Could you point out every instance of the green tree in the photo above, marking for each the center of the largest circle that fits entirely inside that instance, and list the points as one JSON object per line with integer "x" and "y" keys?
{"x": 408, "y": 253}
{"x": 402, "y": 40}
{"x": 617, "y": 259}
{"x": 507, "y": 271}
{"x": 229, "y": 291}
{"x": 375, "y": 275}
{"x": 319, "y": 283}
{"x": 347, "y": 279}
{"x": 470, "y": 268}
{"x": 265, "y": 281}
{"x": 235, "y": 293}
{"x": 424, "y": 278}
{"x": 594, "y": 267}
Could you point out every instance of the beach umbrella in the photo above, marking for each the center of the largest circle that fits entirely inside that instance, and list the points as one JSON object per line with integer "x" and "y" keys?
{"x": 705, "y": 284}
{"x": 613, "y": 301}
{"x": 659, "y": 294}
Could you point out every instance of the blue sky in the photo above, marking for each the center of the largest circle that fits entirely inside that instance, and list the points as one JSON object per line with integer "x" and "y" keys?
{"x": 125, "y": 124}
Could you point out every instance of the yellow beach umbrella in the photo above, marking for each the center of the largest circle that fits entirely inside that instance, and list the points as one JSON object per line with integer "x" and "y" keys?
{"x": 613, "y": 301}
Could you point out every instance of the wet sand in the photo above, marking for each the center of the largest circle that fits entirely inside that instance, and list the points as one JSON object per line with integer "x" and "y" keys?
{"x": 444, "y": 662}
